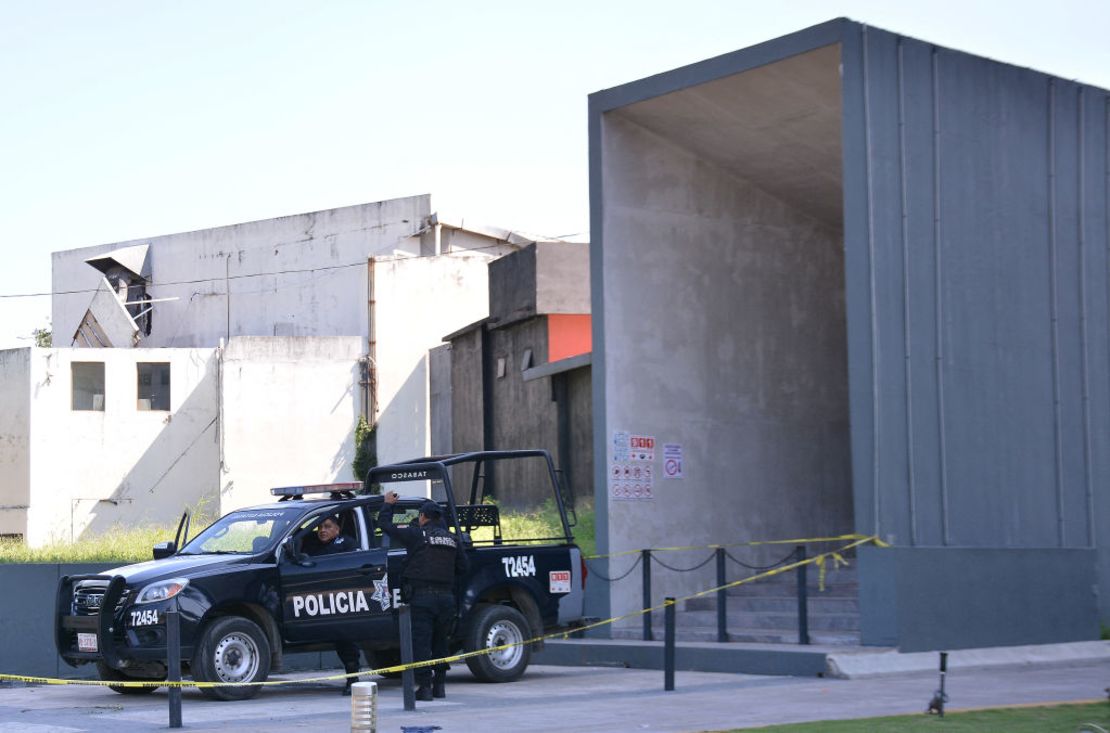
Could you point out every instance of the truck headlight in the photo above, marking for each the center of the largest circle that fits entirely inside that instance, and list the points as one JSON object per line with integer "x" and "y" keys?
{"x": 162, "y": 590}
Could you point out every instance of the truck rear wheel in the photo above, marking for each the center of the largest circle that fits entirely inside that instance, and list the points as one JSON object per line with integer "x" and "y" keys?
{"x": 111, "y": 674}
{"x": 232, "y": 650}
{"x": 492, "y": 625}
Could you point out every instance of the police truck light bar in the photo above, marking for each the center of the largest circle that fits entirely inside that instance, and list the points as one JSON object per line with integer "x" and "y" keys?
{"x": 317, "y": 489}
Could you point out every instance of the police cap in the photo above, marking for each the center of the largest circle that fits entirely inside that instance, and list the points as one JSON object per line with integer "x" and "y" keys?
{"x": 431, "y": 510}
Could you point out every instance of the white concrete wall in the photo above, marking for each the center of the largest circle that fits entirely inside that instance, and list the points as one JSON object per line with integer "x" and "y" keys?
{"x": 92, "y": 470}
{"x": 15, "y": 439}
{"x": 418, "y": 301}
{"x": 302, "y": 275}
{"x": 723, "y": 332}
{"x": 290, "y": 406}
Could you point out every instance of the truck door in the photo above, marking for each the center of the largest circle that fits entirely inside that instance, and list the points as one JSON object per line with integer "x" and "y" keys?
{"x": 336, "y": 596}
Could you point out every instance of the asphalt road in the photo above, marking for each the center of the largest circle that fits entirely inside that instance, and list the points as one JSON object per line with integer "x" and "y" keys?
{"x": 556, "y": 699}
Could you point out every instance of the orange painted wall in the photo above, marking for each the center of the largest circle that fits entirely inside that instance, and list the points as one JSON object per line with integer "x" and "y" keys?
{"x": 568, "y": 335}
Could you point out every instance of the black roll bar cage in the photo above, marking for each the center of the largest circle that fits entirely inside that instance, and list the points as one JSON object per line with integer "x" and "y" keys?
{"x": 435, "y": 468}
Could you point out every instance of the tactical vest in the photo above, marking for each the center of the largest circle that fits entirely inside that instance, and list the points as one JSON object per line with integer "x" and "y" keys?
{"x": 433, "y": 562}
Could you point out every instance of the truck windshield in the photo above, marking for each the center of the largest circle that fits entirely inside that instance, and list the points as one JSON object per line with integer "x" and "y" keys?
{"x": 245, "y": 532}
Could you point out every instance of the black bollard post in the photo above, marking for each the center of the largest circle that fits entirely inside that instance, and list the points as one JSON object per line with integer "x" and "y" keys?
{"x": 722, "y": 604}
{"x": 936, "y": 705}
{"x": 405, "y": 620}
{"x": 173, "y": 662}
{"x": 803, "y": 598}
{"x": 668, "y": 645}
{"x": 645, "y": 559}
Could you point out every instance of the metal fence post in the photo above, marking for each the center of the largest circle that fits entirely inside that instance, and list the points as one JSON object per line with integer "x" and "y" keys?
{"x": 668, "y": 645}
{"x": 405, "y": 621}
{"x": 173, "y": 662}
{"x": 722, "y": 604}
{"x": 803, "y": 597}
{"x": 645, "y": 558}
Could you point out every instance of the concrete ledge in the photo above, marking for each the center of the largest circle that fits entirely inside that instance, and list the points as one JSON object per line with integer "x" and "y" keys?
{"x": 863, "y": 664}
{"x": 769, "y": 659}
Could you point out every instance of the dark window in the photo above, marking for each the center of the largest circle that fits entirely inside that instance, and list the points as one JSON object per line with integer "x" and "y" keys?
{"x": 154, "y": 386}
{"x": 88, "y": 385}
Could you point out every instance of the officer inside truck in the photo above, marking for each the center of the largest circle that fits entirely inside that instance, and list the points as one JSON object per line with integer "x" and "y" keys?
{"x": 435, "y": 559}
{"x": 329, "y": 541}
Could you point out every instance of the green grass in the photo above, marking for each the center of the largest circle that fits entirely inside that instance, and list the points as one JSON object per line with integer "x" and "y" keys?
{"x": 119, "y": 544}
{"x": 1041, "y": 719}
{"x": 133, "y": 544}
{"x": 540, "y": 523}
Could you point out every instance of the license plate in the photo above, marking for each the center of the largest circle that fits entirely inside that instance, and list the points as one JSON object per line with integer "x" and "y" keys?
{"x": 86, "y": 642}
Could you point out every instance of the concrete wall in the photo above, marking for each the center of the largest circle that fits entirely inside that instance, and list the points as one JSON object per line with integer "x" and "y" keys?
{"x": 289, "y": 411}
{"x": 921, "y": 599}
{"x": 439, "y": 398}
{"x": 976, "y": 230}
{"x": 466, "y": 391}
{"x": 287, "y": 408}
{"x": 91, "y": 470}
{"x": 15, "y": 439}
{"x": 723, "y": 332}
{"x": 302, "y": 275}
{"x": 523, "y": 412}
{"x": 543, "y": 278}
{"x": 562, "y": 278}
{"x": 1007, "y": 293}
{"x": 417, "y": 301}
{"x": 580, "y": 470}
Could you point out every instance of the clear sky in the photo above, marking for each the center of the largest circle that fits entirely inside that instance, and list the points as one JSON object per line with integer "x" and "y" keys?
{"x": 124, "y": 119}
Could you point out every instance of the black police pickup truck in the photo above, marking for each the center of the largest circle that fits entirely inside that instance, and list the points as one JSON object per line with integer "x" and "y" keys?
{"x": 247, "y": 591}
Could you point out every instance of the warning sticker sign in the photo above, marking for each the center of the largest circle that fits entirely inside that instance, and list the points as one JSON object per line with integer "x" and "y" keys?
{"x": 631, "y": 474}
{"x": 672, "y": 461}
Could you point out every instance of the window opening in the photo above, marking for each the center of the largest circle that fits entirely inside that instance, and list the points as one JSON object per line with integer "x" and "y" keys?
{"x": 88, "y": 385}
{"x": 154, "y": 386}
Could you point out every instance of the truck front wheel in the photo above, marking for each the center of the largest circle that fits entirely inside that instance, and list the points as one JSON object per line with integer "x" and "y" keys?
{"x": 492, "y": 626}
{"x": 232, "y": 650}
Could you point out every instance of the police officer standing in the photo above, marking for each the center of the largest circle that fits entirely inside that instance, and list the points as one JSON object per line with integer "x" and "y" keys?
{"x": 435, "y": 559}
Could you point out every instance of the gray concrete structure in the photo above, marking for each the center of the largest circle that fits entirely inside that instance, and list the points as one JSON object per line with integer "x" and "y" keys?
{"x": 506, "y": 390}
{"x": 862, "y": 281}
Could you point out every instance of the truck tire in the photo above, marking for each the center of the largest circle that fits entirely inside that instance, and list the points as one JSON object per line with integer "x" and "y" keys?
{"x": 111, "y": 674}
{"x": 232, "y": 649}
{"x": 493, "y": 625}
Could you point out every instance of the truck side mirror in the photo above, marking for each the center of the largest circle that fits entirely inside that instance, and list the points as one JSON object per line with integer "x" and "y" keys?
{"x": 164, "y": 549}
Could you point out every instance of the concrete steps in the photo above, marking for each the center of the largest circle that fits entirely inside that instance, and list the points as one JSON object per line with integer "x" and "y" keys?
{"x": 766, "y": 612}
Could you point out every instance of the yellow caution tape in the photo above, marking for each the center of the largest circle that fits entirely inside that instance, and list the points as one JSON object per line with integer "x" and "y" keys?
{"x": 818, "y": 560}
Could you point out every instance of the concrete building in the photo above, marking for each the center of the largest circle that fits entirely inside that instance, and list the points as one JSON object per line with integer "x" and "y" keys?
{"x": 97, "y": 438}
{"x": 275, "y": 336}
{"x": 393, "y": 273}
{"x": 521, "y": 377}
{"x": 858, "y": 282}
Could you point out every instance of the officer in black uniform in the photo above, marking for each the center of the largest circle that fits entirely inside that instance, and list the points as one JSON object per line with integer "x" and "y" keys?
{"x": 435, "y": 559}
{"x": 329, "y": 541}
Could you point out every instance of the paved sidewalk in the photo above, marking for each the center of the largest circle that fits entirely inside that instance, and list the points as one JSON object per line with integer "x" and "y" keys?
{"x": 558, "y": 699}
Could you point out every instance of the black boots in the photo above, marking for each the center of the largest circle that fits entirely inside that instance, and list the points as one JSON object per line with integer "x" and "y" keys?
{"x": 438, "y": 689}
{"x": 349, "y": 681}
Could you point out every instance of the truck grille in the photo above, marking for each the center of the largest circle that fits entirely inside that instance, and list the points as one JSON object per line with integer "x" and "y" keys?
{"x": 87, "y": 600}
